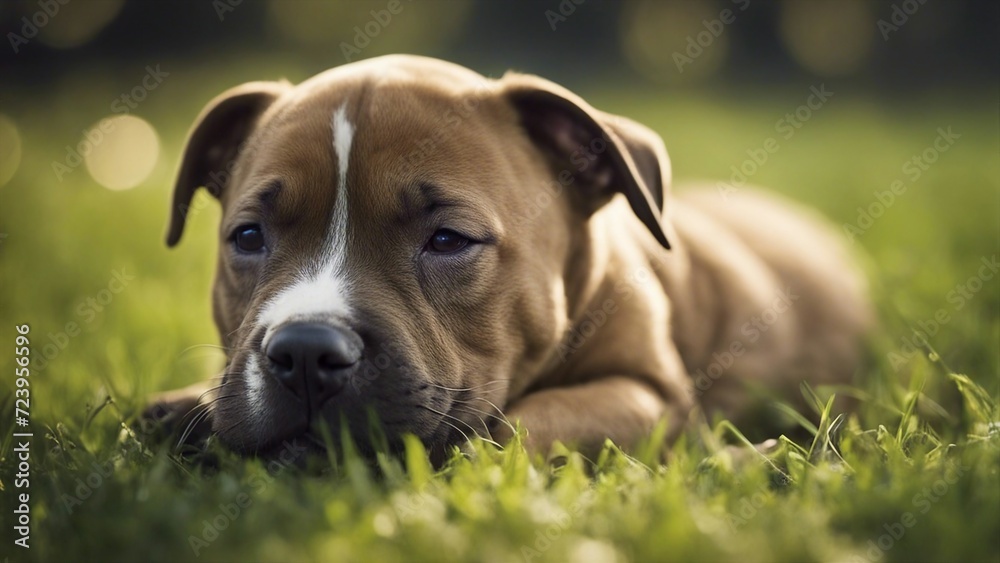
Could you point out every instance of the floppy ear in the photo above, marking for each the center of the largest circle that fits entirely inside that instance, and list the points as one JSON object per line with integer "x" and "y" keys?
{"x": 214, "y": 143}
{"x": 603, "y": 153}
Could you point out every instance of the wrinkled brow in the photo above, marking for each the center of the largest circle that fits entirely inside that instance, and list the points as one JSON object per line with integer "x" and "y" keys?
{"x": 421, "y": 200}
{"x": 262, "y": 197}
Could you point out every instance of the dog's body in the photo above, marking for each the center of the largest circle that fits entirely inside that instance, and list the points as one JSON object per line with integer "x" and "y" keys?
{"x": 406, "y": 237}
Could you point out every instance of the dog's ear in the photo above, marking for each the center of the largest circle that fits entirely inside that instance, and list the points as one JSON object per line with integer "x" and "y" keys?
{"x": 602, "y": 153}
{"x": 214, "y": 143}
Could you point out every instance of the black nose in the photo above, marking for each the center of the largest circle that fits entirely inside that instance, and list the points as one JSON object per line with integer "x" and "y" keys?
{"x": 313, "y": 360}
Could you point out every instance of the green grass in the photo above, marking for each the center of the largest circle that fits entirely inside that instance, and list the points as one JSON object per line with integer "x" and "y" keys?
{"x": 918, "y": 458}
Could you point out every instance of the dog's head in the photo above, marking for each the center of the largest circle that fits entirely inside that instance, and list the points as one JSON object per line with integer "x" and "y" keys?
{"x": 396, "y": 240}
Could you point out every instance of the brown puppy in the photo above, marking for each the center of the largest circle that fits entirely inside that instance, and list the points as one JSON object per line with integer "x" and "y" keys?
{"x": 403, "y": 238}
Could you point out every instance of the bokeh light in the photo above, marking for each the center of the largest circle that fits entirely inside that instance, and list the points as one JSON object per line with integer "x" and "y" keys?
{"x": 125, "y": 152}
{"x": 366, "y": 27}
{"x": 77, "y": 22}
{"x": 10, "y": 149}
{"x": 668, "y": 40}
{"x": 829, "y": 37}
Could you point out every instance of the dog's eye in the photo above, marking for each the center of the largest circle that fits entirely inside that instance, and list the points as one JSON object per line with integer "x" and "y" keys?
{"x": 445, "y": 241}
{"x": 249, "y": 238}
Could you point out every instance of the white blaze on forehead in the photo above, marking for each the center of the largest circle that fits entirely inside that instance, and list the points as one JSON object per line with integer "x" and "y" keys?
{"x": 343, "y": 136}
{"x": 321, "y": 292}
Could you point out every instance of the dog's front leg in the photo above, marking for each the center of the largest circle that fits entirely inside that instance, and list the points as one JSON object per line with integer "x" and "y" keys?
{"x": 618, "y": 407}
{"x": 184, "y": 411}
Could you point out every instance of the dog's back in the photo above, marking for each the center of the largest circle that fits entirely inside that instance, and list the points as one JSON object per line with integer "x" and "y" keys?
{"x": 764, "y": 295}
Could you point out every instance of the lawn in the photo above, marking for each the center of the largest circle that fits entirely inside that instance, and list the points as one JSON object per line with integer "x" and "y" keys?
{"x": 913, "y": 475}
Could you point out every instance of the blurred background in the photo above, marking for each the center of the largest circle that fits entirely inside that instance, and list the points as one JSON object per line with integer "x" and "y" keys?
{"x": 884, "y": 45}
{"x": 96, "y": 97}
{"x": 893, "y": 52}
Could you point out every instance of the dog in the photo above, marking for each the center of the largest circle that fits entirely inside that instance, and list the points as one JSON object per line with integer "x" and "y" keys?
{"x": 405, "y": 240}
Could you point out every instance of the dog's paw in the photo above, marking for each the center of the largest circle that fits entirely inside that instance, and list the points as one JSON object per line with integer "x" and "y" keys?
{"x": 183, "y": 415}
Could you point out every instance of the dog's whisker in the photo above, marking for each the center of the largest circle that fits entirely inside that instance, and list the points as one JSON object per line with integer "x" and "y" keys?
{"x": 194, "y": 423}
{"x": 467, "y": 389}
{"x": 444, "y": 418}
{"x": 196, "y": 409}
{"x": 484, "y": 436}
{"x": 477, "y": 413}
{"x": 209, "y": 390}
{"x": 472, "y": 428}
{"x": 473, "y": 410}
{"x": 464, "y": 435}
{"x": 229, "y": 350}
{"x": 500, "y": 415}
{"x": 203, "y": 411}
{"x": 474, "y": 413}
{"x": 212, "y": 347}
{"x": 238, "y": 422}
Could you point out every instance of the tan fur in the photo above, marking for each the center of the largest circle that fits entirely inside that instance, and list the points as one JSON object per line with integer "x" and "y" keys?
{"x": 507, "y": 327}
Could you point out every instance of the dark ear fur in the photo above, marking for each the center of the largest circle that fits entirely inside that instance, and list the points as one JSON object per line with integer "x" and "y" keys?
{"x": 604, "y": 153}
{"x": 214, "y": 143}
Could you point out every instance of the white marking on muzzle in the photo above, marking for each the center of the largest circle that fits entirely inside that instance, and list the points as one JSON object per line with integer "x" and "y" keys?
{"x": 322, "y": 292}
{"x": 254, "y": 378}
